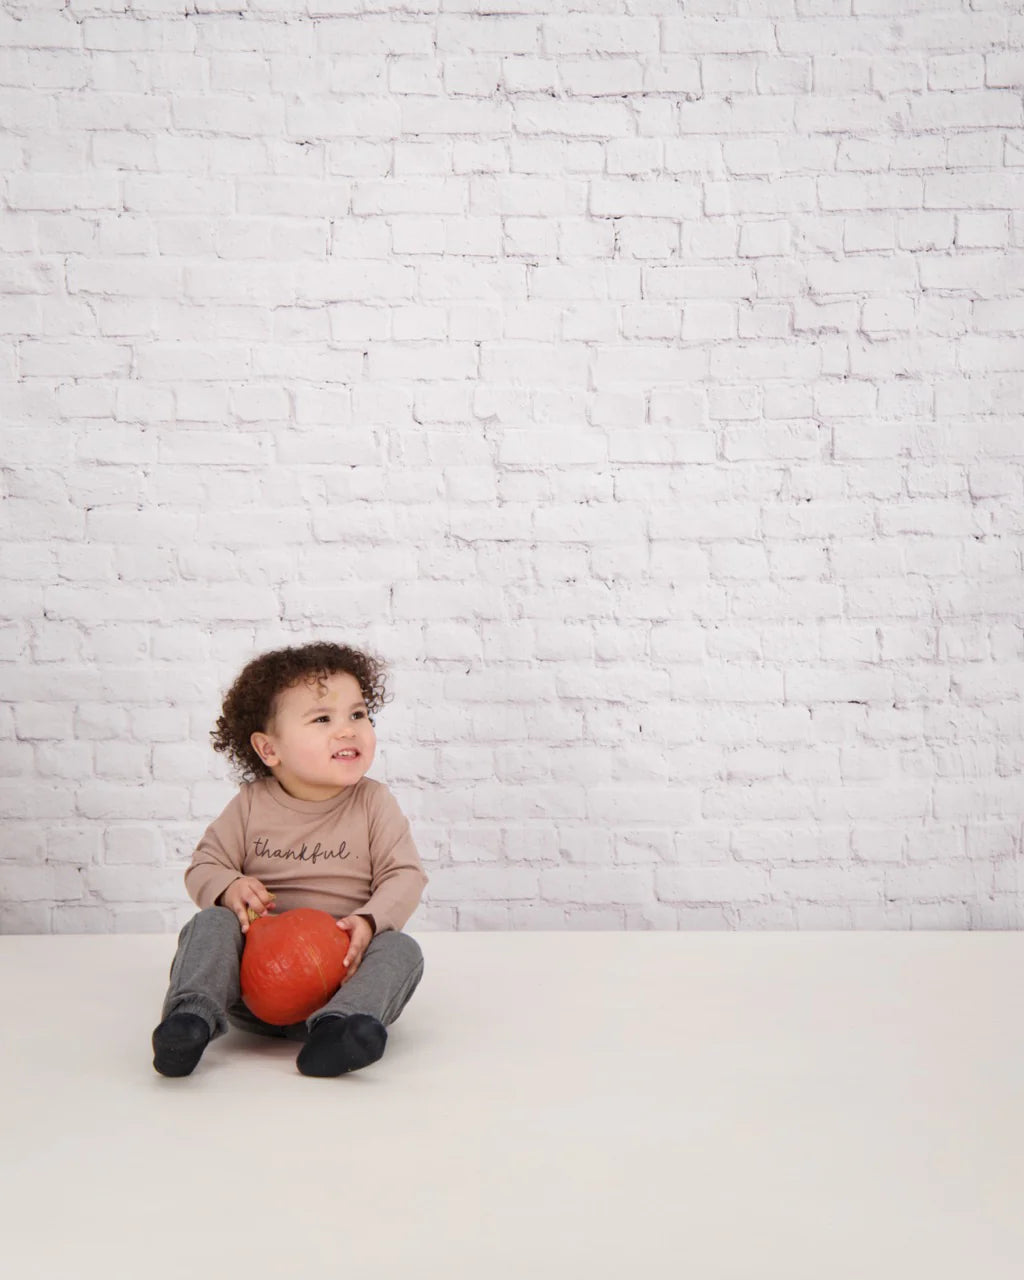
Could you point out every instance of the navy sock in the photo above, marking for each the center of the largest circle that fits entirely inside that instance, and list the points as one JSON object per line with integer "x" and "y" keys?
{"x": 340, "y": 1044}
{"x": 178, "y": 1043}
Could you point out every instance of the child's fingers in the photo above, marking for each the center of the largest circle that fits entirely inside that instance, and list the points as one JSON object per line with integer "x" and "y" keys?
{"x": 264, "y": 898}
{"x": 354, "y": 954}
{"x": 252, "y": 896}
{"x": 258, "y": 907}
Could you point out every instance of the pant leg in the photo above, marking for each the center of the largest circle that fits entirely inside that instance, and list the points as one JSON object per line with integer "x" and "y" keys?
{"x": 242, "y": 1017}
{"x": 389, "y": 973}
{"x": 204, "y": 972}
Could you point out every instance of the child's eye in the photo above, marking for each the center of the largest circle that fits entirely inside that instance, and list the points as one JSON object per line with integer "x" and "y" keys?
{"x": 321, "y": 719}
{"x": 360, "y": 715}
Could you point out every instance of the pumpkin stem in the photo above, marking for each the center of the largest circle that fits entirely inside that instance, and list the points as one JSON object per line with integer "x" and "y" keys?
{"x": 254, "y": 915}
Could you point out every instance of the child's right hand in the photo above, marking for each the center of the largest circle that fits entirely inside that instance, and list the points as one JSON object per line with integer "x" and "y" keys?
{"x": 244, "y": 893}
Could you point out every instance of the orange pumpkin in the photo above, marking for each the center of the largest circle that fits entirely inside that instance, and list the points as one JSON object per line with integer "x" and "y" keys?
{"x": 292, "y": 964}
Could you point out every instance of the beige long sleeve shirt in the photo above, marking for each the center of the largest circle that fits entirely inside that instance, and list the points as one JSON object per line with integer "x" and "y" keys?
{"x": 353, "y": 854}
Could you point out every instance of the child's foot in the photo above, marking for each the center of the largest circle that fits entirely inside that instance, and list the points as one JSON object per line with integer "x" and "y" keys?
{"x": 178, "y": 1043}
{"x": 340, "y": 1044}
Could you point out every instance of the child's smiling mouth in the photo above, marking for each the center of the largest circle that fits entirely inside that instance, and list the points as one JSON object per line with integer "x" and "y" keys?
{"x": 346, "y": 753}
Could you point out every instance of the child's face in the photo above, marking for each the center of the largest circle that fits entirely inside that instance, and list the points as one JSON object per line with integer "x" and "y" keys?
{"x": 311, "y": 725}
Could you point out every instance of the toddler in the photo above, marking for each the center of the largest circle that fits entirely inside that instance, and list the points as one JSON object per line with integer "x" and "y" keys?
{"x": 306, "y": 829}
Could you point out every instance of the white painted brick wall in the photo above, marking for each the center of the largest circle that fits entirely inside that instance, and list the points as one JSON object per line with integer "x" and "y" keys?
{"x": 645, "y": 384}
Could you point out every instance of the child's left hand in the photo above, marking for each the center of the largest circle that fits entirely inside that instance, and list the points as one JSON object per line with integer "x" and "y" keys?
{"x": 360, "y": 933}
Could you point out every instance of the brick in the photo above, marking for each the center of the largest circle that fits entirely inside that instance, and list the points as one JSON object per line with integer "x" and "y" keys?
{"x": 573, "y": 119}
{"x": 61, "y": 191}
{"x": 698, "y": 35}
{"x": 505, "y": 34}
{"x": 727, "y": 884}
{"x": 605, "y": 77}
{"x": 466, "y": 884}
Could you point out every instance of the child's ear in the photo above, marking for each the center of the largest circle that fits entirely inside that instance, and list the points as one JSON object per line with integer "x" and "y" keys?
{"x": 264, "y": 748}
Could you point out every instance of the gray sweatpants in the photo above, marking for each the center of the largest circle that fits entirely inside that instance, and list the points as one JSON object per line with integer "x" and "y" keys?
{"x": 204, "y": 978}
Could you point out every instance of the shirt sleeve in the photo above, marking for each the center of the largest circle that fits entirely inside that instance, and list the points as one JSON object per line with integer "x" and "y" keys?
{"x": 397, "y": 875}
{"x": 218, "y": 857}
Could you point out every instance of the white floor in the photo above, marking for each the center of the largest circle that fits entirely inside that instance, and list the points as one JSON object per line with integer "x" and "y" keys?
{"x": 757, "y": 1106}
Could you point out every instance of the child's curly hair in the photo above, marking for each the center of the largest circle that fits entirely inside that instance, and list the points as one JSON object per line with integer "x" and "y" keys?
{"x": 249, "y": 703}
